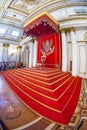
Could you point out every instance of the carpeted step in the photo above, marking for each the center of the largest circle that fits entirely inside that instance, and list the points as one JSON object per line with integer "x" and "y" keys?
{"x": 47, "y": 78}
{"x": 52, "y": 84}
{"x": 33, "y": 87}
{"x": 53, "y": 100}
{"x": 40, "y": 73}
{"x": 38, "y": 77}
{"x": 38, "y": 88}
{"x": 45, "y": 97}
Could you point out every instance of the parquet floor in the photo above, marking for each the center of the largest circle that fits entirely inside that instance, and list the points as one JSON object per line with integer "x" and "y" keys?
{"x": 17, "y": 116}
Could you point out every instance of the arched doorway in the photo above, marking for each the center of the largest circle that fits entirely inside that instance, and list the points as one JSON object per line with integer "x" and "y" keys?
{"x": 25, "y": 55}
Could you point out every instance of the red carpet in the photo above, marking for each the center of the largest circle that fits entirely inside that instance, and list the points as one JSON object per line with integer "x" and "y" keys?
{"x": 50, "y": 92}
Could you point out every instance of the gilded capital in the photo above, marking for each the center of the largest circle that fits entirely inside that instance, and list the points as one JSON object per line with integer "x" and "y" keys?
{"x": 3, "y": 44}
{"x": 19, "y": 47}
{"x": 32, "y": 40}
{"x": 62, "y": 30}
{"x": 72, "y": 29}
{"x": 7, "y": 45}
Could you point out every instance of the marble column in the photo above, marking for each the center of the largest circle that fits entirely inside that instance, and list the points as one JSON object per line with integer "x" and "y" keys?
{"x": 5, "y": 52}
{"x": 19, "y": 48}
{"x": 74, "y": 52}
{"x": 31, "y": 54}
{"x": 35, "y": 49}
{"x": 64, "y": 51}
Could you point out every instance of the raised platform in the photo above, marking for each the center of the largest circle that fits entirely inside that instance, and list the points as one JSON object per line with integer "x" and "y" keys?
{"x": 50, "y": 92}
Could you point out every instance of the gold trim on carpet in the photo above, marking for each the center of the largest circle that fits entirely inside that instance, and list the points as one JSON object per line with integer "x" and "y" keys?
{"x": 41, "y": 102}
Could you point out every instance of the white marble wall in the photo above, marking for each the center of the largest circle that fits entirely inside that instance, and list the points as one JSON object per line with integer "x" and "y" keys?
{"x": 81, "y": 59}
{"x": 82, "y": 53}
{"x": 29, "y": 52}
{"x": 76, "y": 47}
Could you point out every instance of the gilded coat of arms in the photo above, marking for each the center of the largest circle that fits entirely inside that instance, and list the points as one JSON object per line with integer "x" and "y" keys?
{"x": 47, "y": 47}
{"x": 47, "y": 50}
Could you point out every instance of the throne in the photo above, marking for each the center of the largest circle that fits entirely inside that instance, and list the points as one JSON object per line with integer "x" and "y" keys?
{"x": 43, "y": 58}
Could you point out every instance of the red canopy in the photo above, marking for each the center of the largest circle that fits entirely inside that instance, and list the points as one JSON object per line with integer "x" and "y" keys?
{"x": 41, "y": 25}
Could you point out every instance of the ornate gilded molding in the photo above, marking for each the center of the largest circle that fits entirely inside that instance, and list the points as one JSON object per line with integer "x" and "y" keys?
{"x": 74, "y": 18}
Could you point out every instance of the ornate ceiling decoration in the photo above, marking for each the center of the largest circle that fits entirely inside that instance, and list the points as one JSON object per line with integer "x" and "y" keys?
{"x": 25, "y": 5}
{"x": 16, "y": 13}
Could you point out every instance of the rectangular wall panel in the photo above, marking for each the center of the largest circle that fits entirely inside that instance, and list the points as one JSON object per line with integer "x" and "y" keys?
{"x": 82, "y": 59}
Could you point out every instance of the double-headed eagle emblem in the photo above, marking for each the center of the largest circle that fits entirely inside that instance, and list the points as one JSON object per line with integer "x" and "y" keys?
{"x": 47, "y": 47}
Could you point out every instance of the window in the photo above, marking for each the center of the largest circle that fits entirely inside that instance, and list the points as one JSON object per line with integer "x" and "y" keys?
{"x": 2, "y": 30}
{"x": 15, "y": 33}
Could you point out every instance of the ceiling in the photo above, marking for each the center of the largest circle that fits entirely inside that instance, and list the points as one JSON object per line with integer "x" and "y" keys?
{"x": 13, "y": 16}
{"x": 15, "y": 13}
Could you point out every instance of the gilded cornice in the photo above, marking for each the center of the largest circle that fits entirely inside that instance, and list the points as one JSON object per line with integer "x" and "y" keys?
{"x": 74, "y": 18}
{"x": 67, "y": 29}
{"x": 64, "y": 5}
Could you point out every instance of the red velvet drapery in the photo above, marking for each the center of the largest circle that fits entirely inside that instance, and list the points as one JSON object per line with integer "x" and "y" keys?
{"x": 45, "y": 28}
{"x": 41, "y": 25}
{"x": 53, "y": 59}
